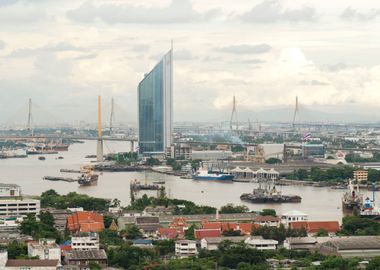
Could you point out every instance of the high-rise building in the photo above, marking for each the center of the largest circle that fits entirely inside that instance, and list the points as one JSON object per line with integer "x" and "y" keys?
{"x": 155, "y": 102}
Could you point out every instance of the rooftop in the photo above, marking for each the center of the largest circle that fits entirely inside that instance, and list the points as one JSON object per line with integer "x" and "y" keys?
{"x": 31, "y": 263}
{"x": 315, "y": 226}
{"x": 86, "y": 255}
{"x": 9, "y": 185}
{"x": 147, "y": 220}
{"x": 217, "y": 240}
{"x": 355, "y": 242}
{"x": 266, "y": 219}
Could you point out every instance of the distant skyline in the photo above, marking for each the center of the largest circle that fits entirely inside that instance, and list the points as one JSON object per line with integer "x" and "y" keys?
{"x": 63, "y": 54}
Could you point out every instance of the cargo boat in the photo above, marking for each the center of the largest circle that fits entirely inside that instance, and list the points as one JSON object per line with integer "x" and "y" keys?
{"x": 88, "y": 179}
{"x": 136, "y": 186}
{"x": 268, "y": 194}
{"x": 212, "y": 176}
{"x": 352, "y": 200}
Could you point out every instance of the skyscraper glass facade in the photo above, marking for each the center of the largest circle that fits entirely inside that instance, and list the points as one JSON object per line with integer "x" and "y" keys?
{"x": 155, "y": 108}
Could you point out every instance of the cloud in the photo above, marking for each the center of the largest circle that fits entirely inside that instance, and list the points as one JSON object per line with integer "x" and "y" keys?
{"x": 176, "y": 12}
{"x": 313, "y": 83}
{"x": 15, "y": 12}
{"x": 338, "y": 67}
{"x": 253, "y": 61}
{"x": 141, "y": 48}
{"x": 2, "y": 44}
{"x": 351, "y": 14}
{"x": 270, "y": 11}
{"x": 183, "y": 55}
{"x": 58, "y": 47}
{"x": 246, "y": 49}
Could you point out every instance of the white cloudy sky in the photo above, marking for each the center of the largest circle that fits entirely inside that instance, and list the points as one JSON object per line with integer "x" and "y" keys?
{"x": 63, "y": 54}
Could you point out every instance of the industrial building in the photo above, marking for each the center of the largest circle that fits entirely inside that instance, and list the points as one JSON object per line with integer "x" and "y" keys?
{"x": 313, "y": 150}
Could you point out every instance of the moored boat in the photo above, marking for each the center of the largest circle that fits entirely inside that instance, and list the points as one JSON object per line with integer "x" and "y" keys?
{"x": 267, "y": 193}
{"x": 352, "y": 199}
{"x": 88, "y": 179}
{"x": 212, "y": 176}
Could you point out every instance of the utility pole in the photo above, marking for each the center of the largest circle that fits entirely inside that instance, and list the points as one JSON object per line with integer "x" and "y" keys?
{"x": 30, "y": 119}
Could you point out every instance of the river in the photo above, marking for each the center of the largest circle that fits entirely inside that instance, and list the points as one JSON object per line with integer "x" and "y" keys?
{"x": 319, "y": 203}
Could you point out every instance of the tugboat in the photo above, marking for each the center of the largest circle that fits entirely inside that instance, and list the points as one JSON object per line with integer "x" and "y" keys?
{"x": 352, "y": 200}
{"x": 369, "y": 209}
{"x": 88, "y": 179}
{"x": 268, "y": 194}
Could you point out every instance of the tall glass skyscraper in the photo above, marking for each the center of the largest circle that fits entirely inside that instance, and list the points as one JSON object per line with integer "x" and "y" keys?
{"x": 155, "y": 99}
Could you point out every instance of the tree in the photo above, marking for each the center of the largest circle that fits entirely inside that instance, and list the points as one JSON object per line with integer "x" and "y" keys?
{"x": 46, "y": 218}
{"x": 231, "y": 209}
{"x": 115, "y": 203}
{"x": 273, "y": 161}
{"x": 374, "y": 264}
{"x": 152, "y": 161}
{"x": 189, "y": 234}
{"x": 268, "y": 212}
{"x": 165, "y": 247}
{"x": 16, "y": 250}
{"x": 131, "y": 232}
{"x": 107, "y": 221}
{"x": 108, "y": 237}
{"x": 322, "y": 232}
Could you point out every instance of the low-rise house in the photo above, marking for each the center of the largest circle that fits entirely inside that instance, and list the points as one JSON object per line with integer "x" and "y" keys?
{"x": 293, "y": 216}
{"x": 258, "y": 242}
{"x": 85, "y": 222}
{"x": 300, "y": 243}
{"x": 85, "y": 241}
{"x": 203, "y": 233}
{"x": 29, "y": 264}
{"x": 180, "y": 224}
{"x": 170, "y": 233}
{"x": 352, "y": 246}
{"x": 247, "y": 228}
{"x": 212, "y": 243}
{"x": 148, "y": 225}
{"x": 223, "y": 226}
{"x": 158, "y": 211}
{"x": 185, "y": 248}
{"x": 83, "y": 258}
{"x": 44, "y": 249}
{"x": 313, "y": 227}
{"x": 269, "y": 221}
{"x": 143, "y": 243}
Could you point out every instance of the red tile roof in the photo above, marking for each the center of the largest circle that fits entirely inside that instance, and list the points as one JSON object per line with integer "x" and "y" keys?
{"x": 246, "y": 228}
{"x": 202, "y": 233}
{"x": 223, "y": 226}
{"x": 315, "y": 226}
{"x": 85, "y": 222}
{"x": 168, "y": 233}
